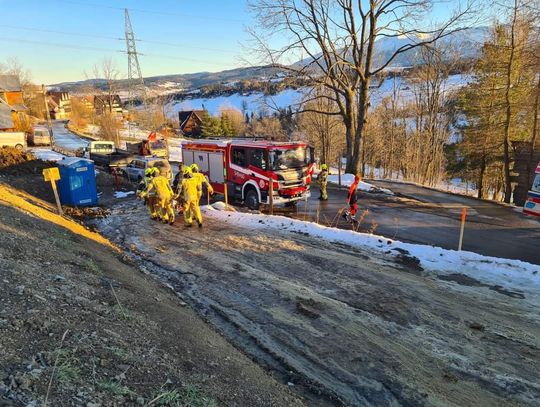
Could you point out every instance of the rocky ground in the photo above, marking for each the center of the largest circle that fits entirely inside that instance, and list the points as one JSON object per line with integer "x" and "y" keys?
{"x": 81, "y": 325}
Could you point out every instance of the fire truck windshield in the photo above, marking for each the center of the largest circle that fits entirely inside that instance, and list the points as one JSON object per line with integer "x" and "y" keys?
{"x": 288, "y": 158}
{"x": 536, "y": 183}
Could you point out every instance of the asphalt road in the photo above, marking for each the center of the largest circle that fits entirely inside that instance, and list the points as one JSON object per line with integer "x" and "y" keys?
{"x": 422, "y": 215}
{"x": 65, "y": 139}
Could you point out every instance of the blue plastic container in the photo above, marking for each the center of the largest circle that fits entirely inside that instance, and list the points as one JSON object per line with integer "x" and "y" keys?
{"x": 77, "y": 184}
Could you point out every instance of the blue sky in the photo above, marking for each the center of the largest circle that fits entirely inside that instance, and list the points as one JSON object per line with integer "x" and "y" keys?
{"x": 62, "y": 40}
{"x": 206, "y": 35}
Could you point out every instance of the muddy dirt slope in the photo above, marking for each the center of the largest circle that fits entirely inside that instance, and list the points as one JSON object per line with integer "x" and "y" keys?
{"x": 82, "y": 326}
{"x": 343, "y": 325}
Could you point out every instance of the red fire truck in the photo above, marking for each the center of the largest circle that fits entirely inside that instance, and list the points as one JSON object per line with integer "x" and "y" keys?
{"x": 246, "y": 166}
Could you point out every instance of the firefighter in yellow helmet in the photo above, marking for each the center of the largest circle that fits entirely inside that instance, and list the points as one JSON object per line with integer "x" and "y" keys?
{"x": 190, "y": 190}
{"x": 322, "y": 180}
{"x": 164, "y": 195}
{"x": 201, "y": 178}
{"x": 150, "y": 198}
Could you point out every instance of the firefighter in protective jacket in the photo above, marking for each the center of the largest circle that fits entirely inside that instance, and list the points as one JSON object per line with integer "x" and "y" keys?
{"x": 150, "y": 199}
{"x": 164, "y": 195}
{"x": 322, "y": 180}
{"x": 201, "y": 178}
{"x": 190, "y": 189}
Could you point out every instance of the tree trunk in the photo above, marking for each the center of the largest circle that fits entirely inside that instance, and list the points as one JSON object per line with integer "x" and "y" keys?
{"x": 363, "y": 106}
{"x": 532, "y": 165}
{"x": 481, "y": 178}
{"x": 506, "y": 140}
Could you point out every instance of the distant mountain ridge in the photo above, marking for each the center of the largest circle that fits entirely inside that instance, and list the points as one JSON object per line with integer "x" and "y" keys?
{"x": 464, "y": 44}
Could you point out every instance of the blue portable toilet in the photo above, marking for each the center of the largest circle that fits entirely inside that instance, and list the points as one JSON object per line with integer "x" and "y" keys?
{"x": 77, "y": 184}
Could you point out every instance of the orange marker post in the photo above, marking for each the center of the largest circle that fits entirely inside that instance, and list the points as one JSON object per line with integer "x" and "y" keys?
{"x": 462, "y": 230}
{"x": 271, "y": 195}
{"x": 339, "y": 173}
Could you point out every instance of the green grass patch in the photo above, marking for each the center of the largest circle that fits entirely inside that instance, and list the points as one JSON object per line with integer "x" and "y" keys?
{"x": 189, "y": 396}
{"x": 115, "y": 388}
{"x": 67, "y": 366}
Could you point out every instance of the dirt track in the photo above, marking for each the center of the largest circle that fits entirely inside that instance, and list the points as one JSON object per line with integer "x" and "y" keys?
{"x": 341, "y": 324}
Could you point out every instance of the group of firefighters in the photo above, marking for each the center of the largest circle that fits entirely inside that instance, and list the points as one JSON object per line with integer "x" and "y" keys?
{"x": 161, "y": 198}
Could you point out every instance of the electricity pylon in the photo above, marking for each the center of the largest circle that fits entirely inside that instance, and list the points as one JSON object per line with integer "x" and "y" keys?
{"x": 135, "y": 80}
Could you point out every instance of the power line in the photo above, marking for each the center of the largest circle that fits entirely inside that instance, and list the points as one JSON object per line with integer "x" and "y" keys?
{"x": 87, "y": 48}
{"x": 135, "y": 78}
{"x": 71, "y": 33}
{"x": 187, "y": 46}
{"x": 165, "y": 13}
{"x": 52, "y": 44}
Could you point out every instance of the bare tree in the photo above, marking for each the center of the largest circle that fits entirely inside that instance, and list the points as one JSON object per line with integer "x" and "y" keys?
{"x": 339, "y": 38}
{"x": 324, "y": 131}
{"x": 108, "y": 72}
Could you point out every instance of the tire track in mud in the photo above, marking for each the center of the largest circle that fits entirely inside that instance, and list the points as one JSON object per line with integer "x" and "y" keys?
{"x": 347, "y": 326}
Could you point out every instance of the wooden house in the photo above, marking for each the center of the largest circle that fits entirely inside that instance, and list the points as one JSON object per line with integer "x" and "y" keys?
{"x": 191, "y": 122}
{"x": 108, "y": 103}
{"x": 59, "y": 105}
{"x": 11, "y": 96}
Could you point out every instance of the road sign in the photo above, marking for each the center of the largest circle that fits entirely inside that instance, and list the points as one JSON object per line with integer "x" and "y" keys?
{"x": 52, "y": 175}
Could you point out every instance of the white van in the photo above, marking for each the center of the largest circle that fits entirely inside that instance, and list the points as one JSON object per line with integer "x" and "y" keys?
{"x": 40, "y": 136}
{"x": 13, "y": 139}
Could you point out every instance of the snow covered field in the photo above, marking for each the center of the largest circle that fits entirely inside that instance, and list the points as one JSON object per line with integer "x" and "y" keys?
{"x": 510, "y": 274}
{"x": 257, "y": 102}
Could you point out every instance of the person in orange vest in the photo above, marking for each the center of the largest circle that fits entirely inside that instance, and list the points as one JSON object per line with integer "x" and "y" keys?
{"x": 352, "y": 200}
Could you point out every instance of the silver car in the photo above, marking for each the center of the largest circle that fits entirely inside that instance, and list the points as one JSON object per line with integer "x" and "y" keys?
{"x": 134, "y": 171}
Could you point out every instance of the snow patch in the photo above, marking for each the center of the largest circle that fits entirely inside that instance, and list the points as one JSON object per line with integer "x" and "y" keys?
{"x": 47, "y": 155}
{"x": 219, "y": 206}
{"x": 510, "y": 274}
{"x": 122, "y": 194}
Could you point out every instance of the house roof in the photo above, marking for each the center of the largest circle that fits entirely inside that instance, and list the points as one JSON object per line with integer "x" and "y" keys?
{"x": 6, "y": 120}
{"x": 10, "y": 83}
{"x": 57, "y": 96}
{"x": 184, "y": 115}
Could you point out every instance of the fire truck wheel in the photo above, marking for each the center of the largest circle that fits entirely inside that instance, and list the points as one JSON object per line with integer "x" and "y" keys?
{"x": 251, "y": 199}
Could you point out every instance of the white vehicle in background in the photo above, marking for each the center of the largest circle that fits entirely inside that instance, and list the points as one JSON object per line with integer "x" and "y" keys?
{"x": 40, "y": 136}
{"x": 13, "y": 139}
